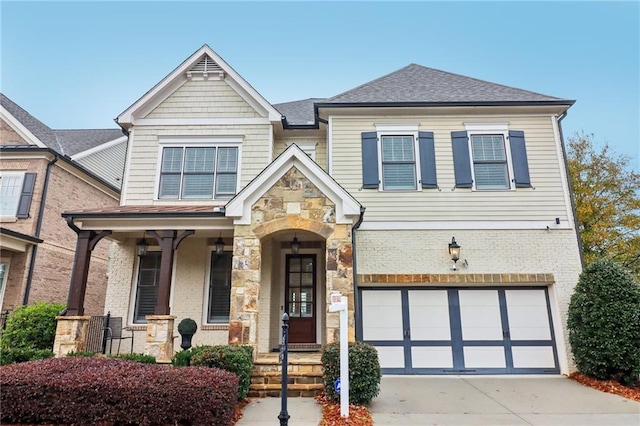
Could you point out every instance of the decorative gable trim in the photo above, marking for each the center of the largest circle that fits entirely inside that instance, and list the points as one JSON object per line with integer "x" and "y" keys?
{"x": 19, "y": 128}
{"x": 239, "y": 208}
{"x": 191, "y": 67}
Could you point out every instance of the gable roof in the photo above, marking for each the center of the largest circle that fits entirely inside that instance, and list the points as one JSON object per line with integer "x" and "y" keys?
{"x": 202, "y": 61}
{"x": 239, "y": 207}
{"x": 418, "y": 84}
{"x": 36, "y": 131}
{"x": 299, "y": 113}
{"x": 75, "y": 141}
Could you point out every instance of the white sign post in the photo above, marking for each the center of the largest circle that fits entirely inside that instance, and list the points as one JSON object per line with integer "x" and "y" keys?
{"x": 339, "y": 304}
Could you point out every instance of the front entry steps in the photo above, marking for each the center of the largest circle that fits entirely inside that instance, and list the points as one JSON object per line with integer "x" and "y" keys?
{"x": 304, "y": 371}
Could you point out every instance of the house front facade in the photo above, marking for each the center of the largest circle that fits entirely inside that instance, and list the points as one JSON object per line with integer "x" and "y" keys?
{"x": 235, "y": 211}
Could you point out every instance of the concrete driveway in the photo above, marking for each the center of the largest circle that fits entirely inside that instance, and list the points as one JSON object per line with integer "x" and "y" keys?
{"x": 521, "y": 400}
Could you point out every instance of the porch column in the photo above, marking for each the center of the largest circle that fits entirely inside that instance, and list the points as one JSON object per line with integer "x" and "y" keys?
{"x": 87, "y": 241}
{"x": 159, "y": 341}
{"x": 168, "y": 242}
{"x": 71, "y": 335}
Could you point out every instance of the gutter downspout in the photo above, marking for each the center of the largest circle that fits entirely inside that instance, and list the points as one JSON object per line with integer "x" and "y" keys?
{"x": 356, "y": 297}
{"x": 34, "y": 249}
{"x": 571, "y": 197}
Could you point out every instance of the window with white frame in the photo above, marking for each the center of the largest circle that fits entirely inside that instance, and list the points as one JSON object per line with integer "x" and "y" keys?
{"x": 4, "y": 276}
{"x": 490, "y": 167}
{"x": 398, "y": 162}
{"x": 219, "y": 288}
{"x": 10, "y": 191}
{"x": 198, "y": 172}
{"x": 147, "y": 286}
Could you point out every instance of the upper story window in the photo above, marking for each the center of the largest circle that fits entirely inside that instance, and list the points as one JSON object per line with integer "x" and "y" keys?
{"x": 490, "y": 156}
{"x": 398, "y": 158}
{"x": 16, "y": 191}
{"x": 199, "y": 171}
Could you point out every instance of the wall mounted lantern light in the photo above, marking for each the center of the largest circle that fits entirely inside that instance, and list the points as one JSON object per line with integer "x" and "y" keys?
{"x": 295, "y": 246}
{"x": 219, "y": 245}
{"x": 141, "y": 247}
{"x": 454, "y": 252}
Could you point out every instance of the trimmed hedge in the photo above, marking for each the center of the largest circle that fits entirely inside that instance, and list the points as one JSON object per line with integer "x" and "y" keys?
{"x": 364, "y": 372}
{"x": 12, "y": 356}
{"x": 604, "y": 323}
{"x": 236, "y": 359}
{"x": 142, "y": 358}
{"x": 32, "y": 326}
{"x": 98, "y": 390}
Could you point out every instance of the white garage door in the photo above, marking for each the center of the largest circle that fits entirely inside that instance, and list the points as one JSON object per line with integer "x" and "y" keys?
{"x": 460, "y": 331}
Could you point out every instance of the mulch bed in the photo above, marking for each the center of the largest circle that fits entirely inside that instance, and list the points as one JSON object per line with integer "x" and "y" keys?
{"x": 609, "y": 386}
{"x": 358, "y": 414}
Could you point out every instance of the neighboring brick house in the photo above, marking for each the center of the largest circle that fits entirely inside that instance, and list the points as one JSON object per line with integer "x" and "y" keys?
{"x": 248, "y": 210}
{"x": 44, "y": 172}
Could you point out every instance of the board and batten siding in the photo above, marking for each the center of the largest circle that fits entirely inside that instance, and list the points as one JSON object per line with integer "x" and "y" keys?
{"x": 141, "y": 186}
{"x": 204, "y": 99}
{"x": 108, "y": 163}
{"x": 544, "y": 202}
{"x": 282, "y": 143}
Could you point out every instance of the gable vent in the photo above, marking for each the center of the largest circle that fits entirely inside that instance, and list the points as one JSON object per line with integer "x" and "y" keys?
{"x": 206, "y": 68}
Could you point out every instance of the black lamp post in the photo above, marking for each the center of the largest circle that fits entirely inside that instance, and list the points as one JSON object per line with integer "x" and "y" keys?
{"x": 284, "y": 415}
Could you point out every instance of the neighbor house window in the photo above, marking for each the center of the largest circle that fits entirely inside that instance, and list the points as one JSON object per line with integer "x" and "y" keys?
{"x": 147, "y": 286}
{"x": 489, "y": 162}
{"x": 16, "y": 191}
{"x": 198, "y": 172}
{"x": 398, "y": 162}
{"x": 4, "y": 276}
{"x": 219, "y": 288}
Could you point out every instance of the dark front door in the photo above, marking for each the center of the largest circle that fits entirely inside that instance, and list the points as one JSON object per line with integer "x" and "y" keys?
{"x": 300, "y": 295}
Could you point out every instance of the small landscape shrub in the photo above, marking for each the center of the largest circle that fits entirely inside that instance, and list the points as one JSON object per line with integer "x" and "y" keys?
{"x": 13, "y": 355}
{"x": 32, "y": 326}
{"x": 364, "y": 372}
{"x": 187, "y": 326}
{"x": 236, "y": 359}
{"x": 81, "y": 354}
{"x": 604, "y": 323}
{"x": 183, "y": 358}
{"x": 142, "y": 358}
{"x": 100, "y": 390}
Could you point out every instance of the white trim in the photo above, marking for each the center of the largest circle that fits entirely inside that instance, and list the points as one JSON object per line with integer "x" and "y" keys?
{"x": 199, "y": 121}
{"x": 561, "y": 166}
{"x": 487, "y": 127}
{"x": 194, "y": 141}
{"x": 309, "y": 148}
{"x": 491, "y": 129}
{"x": 271, "y": 144}
{"x": 330, "y": 146}
{"x": 239, "y": 207}
{"x": 400, "y": 131}
{"x": 99, "y": 148}
{"x": 5, "y": 278}
{"x": 516, "y": 224}
{"x": 167, "y": 86}
{"x": 404, "y": 128}
{"x": 20, "y": 129}
{"x": 11, "y": 243}
{"x": 127, "y": 163}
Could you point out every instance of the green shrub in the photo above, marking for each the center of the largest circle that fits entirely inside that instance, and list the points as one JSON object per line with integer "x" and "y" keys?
{"x": 236, "y": 359}
{"x": 13, "y": 355}
{"x": 183, "y": 358}
{"x": 604, "y": 323}
{"x": 81, "y": 354}
{"x": 187, "y": 326}
{"x": 32, "y": 326}
{"x": 142, "y": 358}
{"x": 364, "y": 372}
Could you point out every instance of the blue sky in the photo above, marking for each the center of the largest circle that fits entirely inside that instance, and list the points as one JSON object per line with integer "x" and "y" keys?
{"x": 80, "y": 64}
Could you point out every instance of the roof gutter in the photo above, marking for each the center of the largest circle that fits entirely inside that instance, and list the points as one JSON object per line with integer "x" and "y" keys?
{"x": 34, "y": 248}
{"x": 356, "y": 296}
{"x": 571, "y": 197}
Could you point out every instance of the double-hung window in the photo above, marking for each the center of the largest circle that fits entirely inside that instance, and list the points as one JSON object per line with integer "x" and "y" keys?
{"x": 147, "y": 286}
{"x": 489, "y": 162}
{"x": 198, "y": 171}
{"x": 16, "y": 191}
{"x": 396, "y": 158}
{"x": 219, "y": 288}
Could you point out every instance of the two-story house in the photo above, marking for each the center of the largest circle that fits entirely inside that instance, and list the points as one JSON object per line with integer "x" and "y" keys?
{"x": 44, "y": 172}
{"x": 437, "y": 203}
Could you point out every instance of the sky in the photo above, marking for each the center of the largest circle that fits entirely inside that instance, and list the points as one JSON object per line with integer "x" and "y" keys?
{"x": 79, "y": 64}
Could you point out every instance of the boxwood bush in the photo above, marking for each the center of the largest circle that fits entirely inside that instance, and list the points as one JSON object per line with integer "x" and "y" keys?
{"x": 233, "y": 358}
{"x": 364, "y": 372}
{"x": 604, "y": 323}
{"x": 13, "y": 355}
{"x": 32, "y": 327}
{"x": 100, "y": 390}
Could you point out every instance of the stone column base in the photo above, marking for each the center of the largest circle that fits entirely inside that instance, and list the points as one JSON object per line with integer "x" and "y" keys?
{"x": 159, "y": 341}
{"x": 71, "y": 335}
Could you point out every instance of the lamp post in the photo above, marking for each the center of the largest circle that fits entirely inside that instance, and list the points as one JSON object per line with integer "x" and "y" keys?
{"x": 284, "y": 415}
{"x": 454, "y": 252}
{"x": 295, "y": 246}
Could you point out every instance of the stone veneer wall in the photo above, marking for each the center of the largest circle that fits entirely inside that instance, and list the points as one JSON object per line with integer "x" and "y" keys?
{"x": 292, "y": 203}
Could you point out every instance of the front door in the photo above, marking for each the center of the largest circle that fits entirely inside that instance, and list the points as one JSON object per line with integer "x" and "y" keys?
{"x": 300, "y": 297}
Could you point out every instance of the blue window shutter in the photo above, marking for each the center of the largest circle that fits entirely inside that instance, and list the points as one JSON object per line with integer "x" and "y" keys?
{"x": 28, "y": 184}
{"x": 370, "y": 177}
{"x": 519, "y": 159}
{"x": 461, "y": 160}
{"x": 427, "y": 160}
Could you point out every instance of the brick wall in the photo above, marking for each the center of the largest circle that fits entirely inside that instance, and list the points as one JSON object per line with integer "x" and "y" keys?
{"x": 8, "y": 136}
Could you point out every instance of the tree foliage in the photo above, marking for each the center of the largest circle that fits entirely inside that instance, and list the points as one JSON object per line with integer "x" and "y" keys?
{"x": 607, "y": 198}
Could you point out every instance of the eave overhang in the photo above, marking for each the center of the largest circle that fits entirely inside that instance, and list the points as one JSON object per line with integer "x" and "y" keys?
{"x": 16, "y": 241}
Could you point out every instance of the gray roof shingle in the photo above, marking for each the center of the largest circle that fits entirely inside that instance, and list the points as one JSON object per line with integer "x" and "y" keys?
{"x": 35, "y": 126}
{"x": 299, "y": 112}
{"x": 415, "y": 83}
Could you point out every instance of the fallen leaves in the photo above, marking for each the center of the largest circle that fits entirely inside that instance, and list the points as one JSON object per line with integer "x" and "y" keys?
{"x": 358, "y": 414}
{"x": 609, "y": 386}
